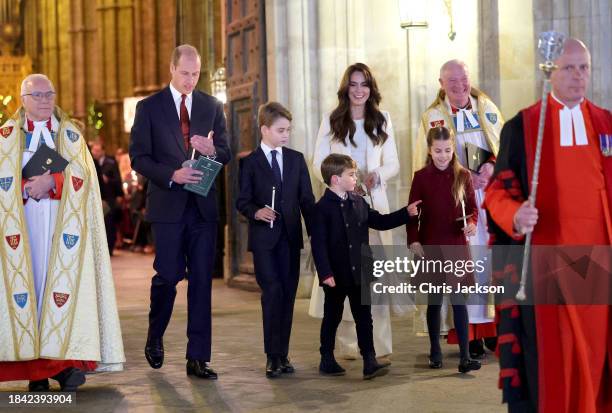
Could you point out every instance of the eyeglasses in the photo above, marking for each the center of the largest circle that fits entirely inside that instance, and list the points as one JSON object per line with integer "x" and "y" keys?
{"x": 38, "y": 96}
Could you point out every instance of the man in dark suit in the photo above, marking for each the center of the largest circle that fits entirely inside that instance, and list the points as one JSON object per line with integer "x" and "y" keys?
{"x": 167, "y": 127}
{"x": 111, "y": 191}
{"x": 275, "y": 178}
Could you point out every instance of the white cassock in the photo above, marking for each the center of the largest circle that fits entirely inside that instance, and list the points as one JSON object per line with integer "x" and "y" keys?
{"x": 40, "y": 216}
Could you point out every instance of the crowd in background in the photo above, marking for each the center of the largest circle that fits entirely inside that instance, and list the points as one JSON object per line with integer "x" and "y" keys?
{"x": 123, "y": 193}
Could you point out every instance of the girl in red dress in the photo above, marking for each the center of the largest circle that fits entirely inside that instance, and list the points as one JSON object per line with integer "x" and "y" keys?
{"x": 445, "y": 189}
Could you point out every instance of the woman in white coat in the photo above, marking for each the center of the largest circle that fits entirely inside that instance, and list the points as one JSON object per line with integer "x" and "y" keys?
{"x": 356, "y": 127}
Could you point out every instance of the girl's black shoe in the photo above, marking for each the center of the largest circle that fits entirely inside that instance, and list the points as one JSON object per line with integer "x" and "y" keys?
{"x": 466, "y": 365}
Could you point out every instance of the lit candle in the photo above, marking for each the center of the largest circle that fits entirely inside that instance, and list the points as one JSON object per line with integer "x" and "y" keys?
{"x": 463, "y": 213}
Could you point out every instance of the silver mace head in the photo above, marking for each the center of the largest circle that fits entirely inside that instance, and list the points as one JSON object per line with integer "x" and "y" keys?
{"x": 550, "y": 47}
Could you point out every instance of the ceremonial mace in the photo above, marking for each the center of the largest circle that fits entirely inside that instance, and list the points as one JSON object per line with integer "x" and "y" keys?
{"x": 550, "y": 47}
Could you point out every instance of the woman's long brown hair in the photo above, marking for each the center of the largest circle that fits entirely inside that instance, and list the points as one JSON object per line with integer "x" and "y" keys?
{"x": 441, "y": 133}
{"x": 340, "y": 120}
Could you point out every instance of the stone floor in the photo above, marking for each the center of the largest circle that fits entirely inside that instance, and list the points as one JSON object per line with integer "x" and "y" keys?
{"x": 239, "y": 360}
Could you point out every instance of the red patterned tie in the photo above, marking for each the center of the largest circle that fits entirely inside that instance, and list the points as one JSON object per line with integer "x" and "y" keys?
{"x": 185, "y": 121}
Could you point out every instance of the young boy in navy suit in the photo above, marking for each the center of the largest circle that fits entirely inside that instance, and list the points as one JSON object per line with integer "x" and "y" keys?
{"x": 340, "y": 228}
{"x": 274, "y": 190}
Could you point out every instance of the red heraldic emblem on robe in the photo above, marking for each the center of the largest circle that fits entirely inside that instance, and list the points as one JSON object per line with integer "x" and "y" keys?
{"x": 553, "y": 358}
{"x": 13, "y": 240}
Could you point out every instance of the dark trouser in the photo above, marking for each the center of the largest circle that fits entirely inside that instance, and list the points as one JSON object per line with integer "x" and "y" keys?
{"x": 189, "y": 244}
{"x": 460, "y": 318}
{"x": 111, "y": 231}
{"x": 332, "y": 315}
{"x": 277, "y": 271}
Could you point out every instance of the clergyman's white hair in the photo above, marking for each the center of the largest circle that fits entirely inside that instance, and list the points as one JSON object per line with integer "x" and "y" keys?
{"x": 452, "y": 63}
{"x": 31, "y": 78}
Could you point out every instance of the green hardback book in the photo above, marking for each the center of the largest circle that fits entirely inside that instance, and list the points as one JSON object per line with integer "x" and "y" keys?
{"x": 210, "y": 169}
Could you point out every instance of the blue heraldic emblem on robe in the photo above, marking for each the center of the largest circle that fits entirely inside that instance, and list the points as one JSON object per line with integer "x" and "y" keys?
{"x": 21, "y": 299}
{"x": 70, "y": 240}
{"x": 6, "y": 182}
{"x": 492, "y": 117}
{"x": 73, "y": 136}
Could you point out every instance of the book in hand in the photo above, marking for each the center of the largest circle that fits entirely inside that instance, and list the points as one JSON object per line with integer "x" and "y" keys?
{"x": 476, "y": 156}
{"x": 44, "y": 159}
{"x": 210, "y": 170}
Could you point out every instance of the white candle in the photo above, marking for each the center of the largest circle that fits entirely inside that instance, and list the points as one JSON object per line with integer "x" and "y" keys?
{"x": 463, "y": 213}
{"x": 273, "y": 194}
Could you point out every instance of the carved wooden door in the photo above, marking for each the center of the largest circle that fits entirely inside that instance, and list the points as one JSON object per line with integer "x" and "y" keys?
{"x": 246, "y": 90}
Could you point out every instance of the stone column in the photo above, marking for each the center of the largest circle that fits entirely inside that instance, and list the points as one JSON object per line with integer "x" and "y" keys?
{"x": 166, "y": 39}
{"x": 589, "y": 21}
{"x": 94, "y": 65}
{"x": 50, "y": 48}
{"x": 196, "y": 26}
{"x": 116, "y": 18}
{"x": 78, "y": 65}
{"x": 293, "y": 79}
{"x": 154, "y": 39}
{"x": 145, "y": 47}
{"x": 64, "y": 55}
{"x": 32, "y": 44}
{"x": 489, "y": 48}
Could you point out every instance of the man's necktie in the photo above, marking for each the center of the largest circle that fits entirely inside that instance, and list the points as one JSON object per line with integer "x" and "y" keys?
{"x": 184, "y": 122}
{"x": 276, "y": 170}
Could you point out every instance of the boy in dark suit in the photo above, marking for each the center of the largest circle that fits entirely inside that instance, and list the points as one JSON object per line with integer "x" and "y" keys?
{"x": 274, "y": 189}
{"x": 340, "y": 228}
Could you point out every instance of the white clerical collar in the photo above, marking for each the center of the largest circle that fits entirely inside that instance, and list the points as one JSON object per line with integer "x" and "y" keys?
{"x": 463, "y": 113}
{"x": 42, "y": 132}
{"x": 571, "y": 123}
{"x": 268, "y": 149}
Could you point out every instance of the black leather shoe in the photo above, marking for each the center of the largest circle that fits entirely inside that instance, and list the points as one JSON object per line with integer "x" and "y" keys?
{"x": 491, "y": 343}
{"x": 371, "y": 367}
{"x": 435, "y": 364}
{"x": 330, "y": 367}
{"x": 38, "y": 385}
{"x": 476, "y": 349}
{"x": 466, "y": 365}
{"x": 286, "y": 366}
{"x": 200, "y": 369}
{"x": 435, "y": 360}
{"x": 374, "y": 370}
{"x": 70, "y": 379}
{"x": 154, "y": 352}
{"x": 273, "y": 367}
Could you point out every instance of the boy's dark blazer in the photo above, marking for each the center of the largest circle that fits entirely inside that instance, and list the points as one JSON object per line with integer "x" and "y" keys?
{"x": 256, "y": 182}
{"x": 340, "y": 229}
